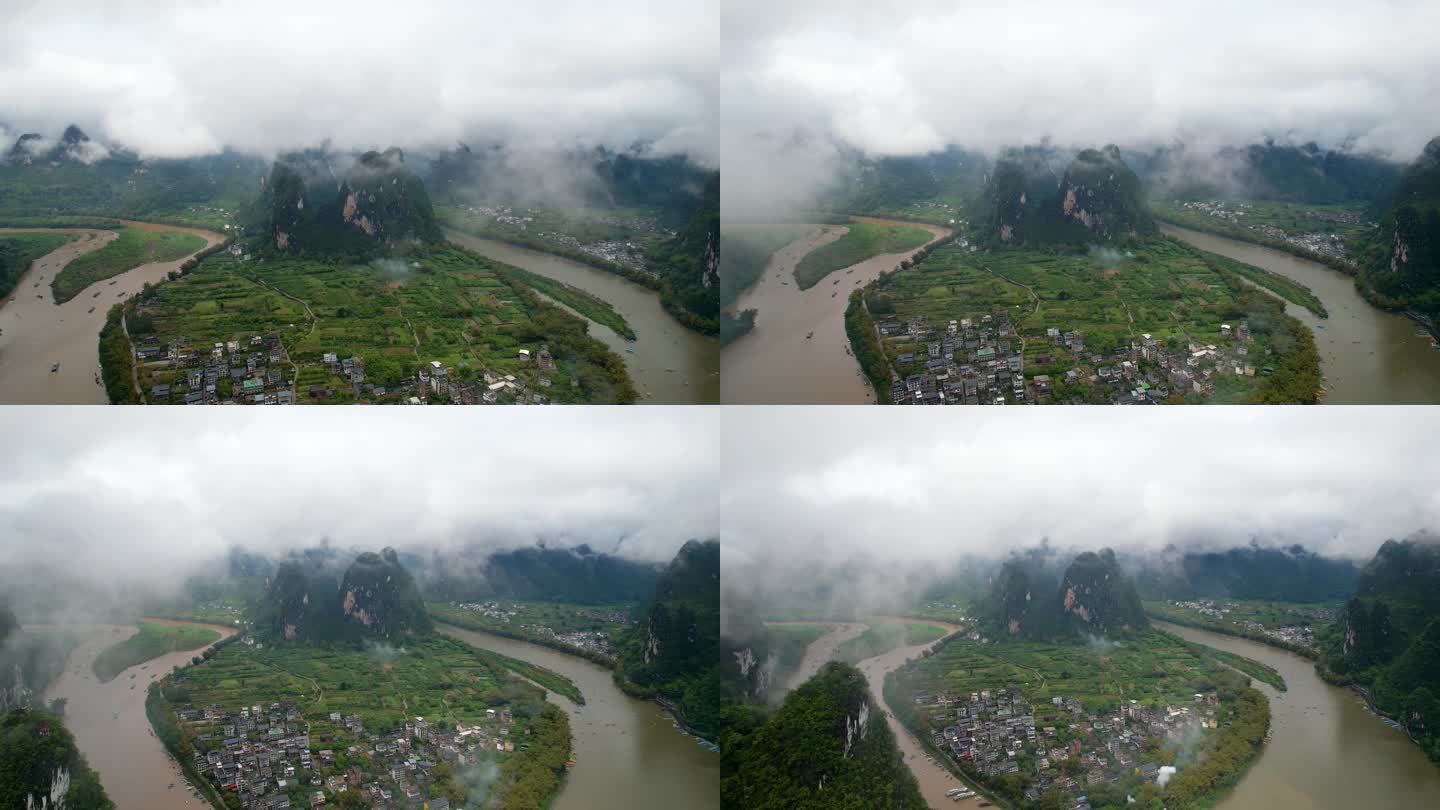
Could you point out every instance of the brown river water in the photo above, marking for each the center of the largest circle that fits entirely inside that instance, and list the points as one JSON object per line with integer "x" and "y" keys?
{"x": 1327, "y": 752}
{"x": 777, "y": 363}
{"x": 628, "y": 756}
{"x": 669, "y": 363}
{"x": 35, "y": 334}
{"x": 110, "y": 726}
{"x": 1368, "y": 355}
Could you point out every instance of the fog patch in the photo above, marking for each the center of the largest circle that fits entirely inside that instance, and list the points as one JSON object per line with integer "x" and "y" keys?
{"x": 1109, "y": 257}
{"x": 1163, "y": 778}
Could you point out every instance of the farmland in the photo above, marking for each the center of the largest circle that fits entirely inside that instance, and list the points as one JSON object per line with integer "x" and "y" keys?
{"x": 134, "y": 248}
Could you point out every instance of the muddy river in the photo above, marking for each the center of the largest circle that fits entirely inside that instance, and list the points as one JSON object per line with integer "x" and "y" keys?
{"x": 628, "y": 756}
{"x": 1327, "y": 751}
{"x": 35, "y": 334}
{"x": 669, "y": 363}
{"x": 110, "y": 727}
{"x": 1367, "y": 355}
{"x": 798, "y": 352}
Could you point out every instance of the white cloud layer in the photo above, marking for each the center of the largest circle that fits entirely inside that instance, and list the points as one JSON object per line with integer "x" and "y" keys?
{"x": 175, "y": 78}
{"x": 911, "y": 78}
{"x": 142, "y": 496}
{"x": 805, "y": 488}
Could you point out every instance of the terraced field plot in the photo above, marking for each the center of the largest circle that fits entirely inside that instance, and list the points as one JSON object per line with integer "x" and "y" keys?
{"x": 434, "y": 678}
{"x": 437, "y": 304}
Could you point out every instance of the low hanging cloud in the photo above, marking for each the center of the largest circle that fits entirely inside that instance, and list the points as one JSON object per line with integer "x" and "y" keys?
{"x": 912, "y": 79}
{"x": 176, "y": 79}
{"x": 141, "y": 498}
{"x": 903, "y": 491}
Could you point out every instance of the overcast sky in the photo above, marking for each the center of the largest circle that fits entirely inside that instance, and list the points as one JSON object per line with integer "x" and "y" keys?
{"x": 805, "y": 487}
{"x": 174, "y": 78}
{"x": 911, "y": 78}
{"x": 139, "y": 495}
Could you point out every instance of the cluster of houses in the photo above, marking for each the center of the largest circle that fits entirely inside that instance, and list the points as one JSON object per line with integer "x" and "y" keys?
{"x": 624, "y": 252}
{"x": 258, "y": 372}
{"x": 271, "y": 758}
{"x": 981, "y": 361}
{"x": 1298, "y": 634}
{"x": 1000, "y": 733}
{"x": 590, "y": 640}
{"x": 1325, "y": 244}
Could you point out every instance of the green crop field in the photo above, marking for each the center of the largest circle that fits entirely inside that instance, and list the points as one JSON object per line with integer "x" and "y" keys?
{"x": 862, "y": 241}
{"x": 439, "y": 303}
{"x": 153, "y": 641}
{"x": 18, "y": 250}
{"x": 132, "y": 249}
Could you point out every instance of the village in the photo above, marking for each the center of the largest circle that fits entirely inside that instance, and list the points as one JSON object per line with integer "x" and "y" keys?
{"x": 1325, "y": 244}
{"x": 263, "y": 754}
{"x": 624, "y": 252}
{"x": 981, "y": 361}
{"x": 260, "y": 372}
{"x": 1299, "y": 634}
{"x": 594, "y": 641}
{"x": 995, "y": 731}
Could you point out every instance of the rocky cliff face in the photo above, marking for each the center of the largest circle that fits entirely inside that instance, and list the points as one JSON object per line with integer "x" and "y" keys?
{"x": 1407, "y": 265}
{"x": 319, "y": 203}
{"x": 1096, "y": 597}
{"x": 376, "y": 599}
{"x": 1097, "y": 199}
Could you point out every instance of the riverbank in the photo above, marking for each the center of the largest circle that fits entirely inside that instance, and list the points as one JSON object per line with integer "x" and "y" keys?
{"x": 50, "y": 353}
{"x": 668, "y": 363}
{"x": 1367, "y": 355}
{"x": 1326, "y": 750}
{"x": 799, "y": 351}
{"x": 1238, "y": 632}
{"x": 628, "y": 753}
{"x": 111, "y": 723}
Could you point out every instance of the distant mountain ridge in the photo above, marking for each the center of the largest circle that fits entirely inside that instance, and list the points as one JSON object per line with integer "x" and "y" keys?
{"x": 1287, "y": 574}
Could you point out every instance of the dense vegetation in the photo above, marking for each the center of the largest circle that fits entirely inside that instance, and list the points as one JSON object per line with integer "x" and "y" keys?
{"x": 861, "y": 241}
{"x": 134, "y": 247}
{"x": 39, "y": 752}
{"x": 689, "y": 265}
{"x": 1387, "y": 639}
{"x": 18, "y": 250}
{"x": 1098, "y": 199}
{"x": 865, "y": 343}
{"x": 153, "y": 641}
{"x": 1403, "y": 260}
{"x": 1302, "y": 173}
{"x": 673, "y": 654}
{"x": 584, "y": 303}
{"x": 117, "y": 359}
{"x": 529, "y": 782}
{"x": 827, "y": 746}
{"x": 1288, "y": 289}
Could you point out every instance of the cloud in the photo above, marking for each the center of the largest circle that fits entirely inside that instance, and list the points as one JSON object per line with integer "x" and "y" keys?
{"x": 139, "y": 498}
{"x": 907, "y": 491}
{"x": 177, "y": 79}
{"x": 912, "y": 79}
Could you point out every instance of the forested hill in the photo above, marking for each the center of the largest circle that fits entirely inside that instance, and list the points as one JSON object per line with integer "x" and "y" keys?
{"x": 674, "y": 653}
{"x": 375, "y": 599}
{"x": 1098, "y": 199}
{"x": 1387, "y": 639}
{"x": 1403, "y": 260}
{"x": 1301, "y": 173}
{"x": 40, "y": 763}
{"x": 319, "y": 204}
{"x": 689, "y": 264}
{"x": 1092, "y": 597}
{"x": 1289, "y": 574}
{"x": 827, "y": 746}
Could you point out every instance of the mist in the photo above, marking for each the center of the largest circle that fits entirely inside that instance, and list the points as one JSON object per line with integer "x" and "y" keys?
{"x": 804, "y": 82}
{"x": 122, "y": 509}
{"x": 861, "y": 510}
{"x": 172, "y": 79}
